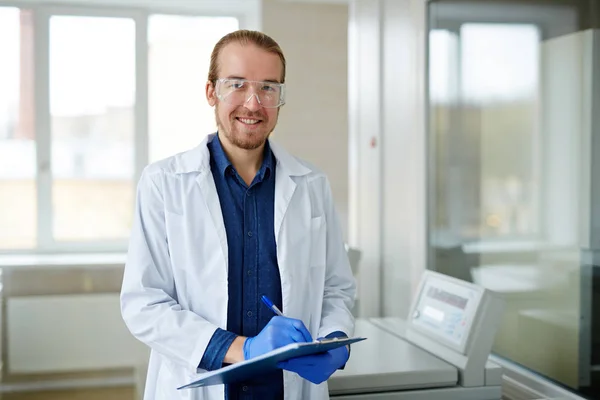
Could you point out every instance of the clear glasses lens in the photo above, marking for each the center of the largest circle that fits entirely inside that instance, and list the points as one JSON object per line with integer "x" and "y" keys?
{"x": 239, "y": 91}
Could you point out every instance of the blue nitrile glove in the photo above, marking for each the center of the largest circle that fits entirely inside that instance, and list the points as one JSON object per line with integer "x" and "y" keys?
{"x": 280, "y": 331}
{"x": 317, "y": 368}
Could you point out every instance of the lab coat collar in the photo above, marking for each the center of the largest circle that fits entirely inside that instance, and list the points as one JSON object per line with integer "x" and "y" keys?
{"x": 198, "y": 159}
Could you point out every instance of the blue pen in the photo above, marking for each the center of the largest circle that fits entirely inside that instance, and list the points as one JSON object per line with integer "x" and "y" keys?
{"x": 272, "y": 306}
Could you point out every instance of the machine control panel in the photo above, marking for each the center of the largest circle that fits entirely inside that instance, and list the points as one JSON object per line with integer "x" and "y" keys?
{"x": 445, "y": 309}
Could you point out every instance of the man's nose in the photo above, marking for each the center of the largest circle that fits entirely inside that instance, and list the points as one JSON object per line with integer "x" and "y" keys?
{"x": 253, "y": 104}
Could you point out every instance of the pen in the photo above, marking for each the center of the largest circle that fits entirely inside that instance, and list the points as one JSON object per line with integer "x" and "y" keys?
{"x": 276, "y": 310}
{"x": 272, "y": 306}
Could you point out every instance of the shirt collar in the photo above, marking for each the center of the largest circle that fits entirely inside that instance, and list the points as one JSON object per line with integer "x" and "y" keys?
{"x": 218, "y": 155}
{"x": 222, "y": 161}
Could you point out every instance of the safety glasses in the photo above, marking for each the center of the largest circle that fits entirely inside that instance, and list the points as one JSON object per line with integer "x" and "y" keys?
{"x": 238, "y": 92}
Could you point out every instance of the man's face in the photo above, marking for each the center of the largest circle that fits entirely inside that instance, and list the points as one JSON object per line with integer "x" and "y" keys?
{"x": 249, "y": 125}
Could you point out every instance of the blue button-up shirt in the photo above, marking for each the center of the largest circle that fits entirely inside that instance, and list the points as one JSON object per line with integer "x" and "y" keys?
{"x": 248, "y": 213}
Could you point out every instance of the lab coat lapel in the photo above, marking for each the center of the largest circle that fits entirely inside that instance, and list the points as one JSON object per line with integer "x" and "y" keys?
{"x": 284, "y": 190}
{"x": 199, "y": 160}
{"x": 285, "y": 186}
{"x": 288, "y": 171}
{"x": 211, "y": 199}
{"x": 287, "y": 168}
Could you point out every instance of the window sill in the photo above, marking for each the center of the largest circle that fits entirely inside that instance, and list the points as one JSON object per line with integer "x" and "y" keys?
{"x": 62, "y": 260}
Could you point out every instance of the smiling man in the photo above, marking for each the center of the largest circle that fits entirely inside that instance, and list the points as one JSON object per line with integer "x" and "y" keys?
{"x": 220, "y": 226}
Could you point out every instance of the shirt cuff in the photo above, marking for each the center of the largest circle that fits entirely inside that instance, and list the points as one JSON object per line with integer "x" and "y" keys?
{"x": 216, "y": 350}
{"x": 339, "y": 334}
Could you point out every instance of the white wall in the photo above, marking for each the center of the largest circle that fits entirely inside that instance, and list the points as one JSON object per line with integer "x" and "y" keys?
{"x": 314, "y": 123}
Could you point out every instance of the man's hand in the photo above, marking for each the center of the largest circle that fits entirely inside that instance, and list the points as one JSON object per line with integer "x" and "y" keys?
{"x": 280, "y": 331}
{"x": 319, "y": 367}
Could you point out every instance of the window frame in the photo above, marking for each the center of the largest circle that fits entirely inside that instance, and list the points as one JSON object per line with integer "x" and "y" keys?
{"x": 246, "y": 12}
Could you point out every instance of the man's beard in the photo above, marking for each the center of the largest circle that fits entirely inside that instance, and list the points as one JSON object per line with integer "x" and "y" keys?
{"x": 243, "y": 140}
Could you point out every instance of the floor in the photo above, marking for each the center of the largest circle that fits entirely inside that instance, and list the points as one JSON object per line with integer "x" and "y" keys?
{"x": 121, "y": 393}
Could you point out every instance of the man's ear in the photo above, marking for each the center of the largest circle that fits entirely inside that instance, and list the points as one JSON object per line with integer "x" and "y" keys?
{"x": 211, "y": 94}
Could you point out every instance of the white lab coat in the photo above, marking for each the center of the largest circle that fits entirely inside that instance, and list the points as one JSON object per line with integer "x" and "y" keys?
{"x": 174, "y": 293}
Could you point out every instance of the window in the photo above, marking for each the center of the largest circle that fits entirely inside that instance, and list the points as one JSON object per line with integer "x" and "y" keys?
{"x": 89, "y": 97}
{"x": 18, "y": 195}
{"x": 92, "y": 98}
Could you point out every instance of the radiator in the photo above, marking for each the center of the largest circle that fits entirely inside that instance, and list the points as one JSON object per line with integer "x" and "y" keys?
{"x": 66, "y": 333}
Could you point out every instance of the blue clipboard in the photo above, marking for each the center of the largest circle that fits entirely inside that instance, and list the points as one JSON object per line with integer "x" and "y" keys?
{"x": 267, "y": 362}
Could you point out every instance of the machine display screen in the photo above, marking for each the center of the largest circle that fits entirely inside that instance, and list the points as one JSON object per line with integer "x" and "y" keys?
{"x": 446, "y": 309}
{"x": 447, "y": 297}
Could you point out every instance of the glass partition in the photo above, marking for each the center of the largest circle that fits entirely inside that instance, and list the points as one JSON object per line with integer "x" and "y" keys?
{"x": 514, "y": 90}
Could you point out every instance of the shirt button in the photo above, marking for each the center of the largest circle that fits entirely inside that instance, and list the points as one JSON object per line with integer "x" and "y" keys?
{"x": 245, "y": 388}
{"x": 249, "y": 193}
{"x": 249, "y": 313}
{"x": 249, "y": 273}
{"x": 249, "y": 233}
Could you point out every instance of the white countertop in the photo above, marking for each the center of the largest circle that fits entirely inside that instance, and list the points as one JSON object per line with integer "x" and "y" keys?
{"x": 385, "y": 362}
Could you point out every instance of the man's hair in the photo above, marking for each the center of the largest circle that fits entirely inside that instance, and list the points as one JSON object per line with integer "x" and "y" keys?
{"x": 244, "y": 37}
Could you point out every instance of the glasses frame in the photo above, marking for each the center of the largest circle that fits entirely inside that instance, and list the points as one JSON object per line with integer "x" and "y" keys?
{"x": 281, "y": 86}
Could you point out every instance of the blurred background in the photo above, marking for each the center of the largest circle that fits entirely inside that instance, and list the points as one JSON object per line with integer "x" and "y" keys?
{"x": 458, "y": 136}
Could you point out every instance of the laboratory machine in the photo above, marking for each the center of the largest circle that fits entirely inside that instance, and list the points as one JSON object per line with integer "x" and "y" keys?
{"x": 440, "y": 351}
